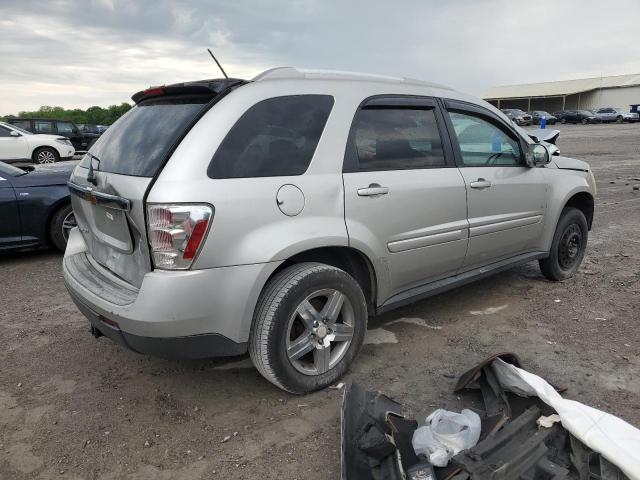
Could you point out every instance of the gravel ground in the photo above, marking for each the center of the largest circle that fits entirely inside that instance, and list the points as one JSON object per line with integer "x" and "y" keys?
{"x": 73, "y": 407}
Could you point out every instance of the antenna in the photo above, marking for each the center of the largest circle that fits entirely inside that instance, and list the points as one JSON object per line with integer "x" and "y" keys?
{"x": 218, "y": 63}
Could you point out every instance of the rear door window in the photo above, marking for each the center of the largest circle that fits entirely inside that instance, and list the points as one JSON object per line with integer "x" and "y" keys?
{"x": 139, "y": 141}
{"x": 275, "y": 137}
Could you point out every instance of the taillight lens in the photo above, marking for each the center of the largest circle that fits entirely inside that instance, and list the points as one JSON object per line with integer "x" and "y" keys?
{"x": 176, "y": 233}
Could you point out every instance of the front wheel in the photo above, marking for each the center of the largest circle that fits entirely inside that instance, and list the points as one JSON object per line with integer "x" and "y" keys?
{"x": 45, "y": 155}
{"x": 568, "y": 247}
{"x": 585, "y": 121}
{"x": 308, "y": 327}
{"x": 563, "y": 121}
{"x": 619, "y": 119}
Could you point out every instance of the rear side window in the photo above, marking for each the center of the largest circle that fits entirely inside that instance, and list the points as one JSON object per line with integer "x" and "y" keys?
{"x": 275, "y": 137}
{"x": 65, "y": 128}
{"x": 139, "y": 141}
{"x": 397, "y": 139}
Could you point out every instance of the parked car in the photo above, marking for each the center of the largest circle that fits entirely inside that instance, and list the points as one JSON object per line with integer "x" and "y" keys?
{"x": 35, "y": 206}
{"x": 275, "y": 216}
{"x": 18, "y": 145}
{"x": 609, "y": 115}
{"x": 577, "y": 116}
{"x": 536, "y": 116}
{"x": 518, "y": 116}
{"x": 80, "y": 140}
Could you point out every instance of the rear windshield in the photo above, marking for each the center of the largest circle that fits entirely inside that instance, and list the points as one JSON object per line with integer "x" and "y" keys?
{"x": 138, "y": 142}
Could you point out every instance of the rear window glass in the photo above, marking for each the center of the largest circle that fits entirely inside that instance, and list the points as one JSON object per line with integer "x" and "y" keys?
{"x": 138, "y": 142}
{"x": 275, "y": 137}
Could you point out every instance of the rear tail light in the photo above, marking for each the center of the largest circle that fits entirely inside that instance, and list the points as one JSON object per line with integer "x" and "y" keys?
{"x": 176, "y": 233}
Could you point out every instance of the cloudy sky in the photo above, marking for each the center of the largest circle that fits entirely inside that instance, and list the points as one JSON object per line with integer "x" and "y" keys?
{"x": 98, "y": 52}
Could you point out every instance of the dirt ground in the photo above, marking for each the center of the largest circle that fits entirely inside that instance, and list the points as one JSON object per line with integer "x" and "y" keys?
{"x": 73, "y": 407}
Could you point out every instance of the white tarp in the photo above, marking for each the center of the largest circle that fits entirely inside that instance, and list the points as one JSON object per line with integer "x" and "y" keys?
{"x": 612, "y": 437}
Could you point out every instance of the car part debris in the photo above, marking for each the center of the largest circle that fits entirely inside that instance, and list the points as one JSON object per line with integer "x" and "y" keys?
{"x": 445, "y": 434}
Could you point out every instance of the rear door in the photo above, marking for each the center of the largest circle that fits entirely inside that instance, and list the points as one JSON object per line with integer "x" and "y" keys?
{"x": 404, "y": 198}
{"x": 110, "y": 212}
{"x": 506, "y": 200}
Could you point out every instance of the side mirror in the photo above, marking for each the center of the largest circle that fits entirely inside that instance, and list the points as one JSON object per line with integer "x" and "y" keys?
{"x": 538, "y": 155}
{"x": 14, "y": 133}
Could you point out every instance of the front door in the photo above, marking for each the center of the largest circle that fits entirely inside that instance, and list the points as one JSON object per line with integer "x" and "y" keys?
{"x": 12, "y": 147}
{"x": 506, "y": 200}
{"x": 404, "y": 199}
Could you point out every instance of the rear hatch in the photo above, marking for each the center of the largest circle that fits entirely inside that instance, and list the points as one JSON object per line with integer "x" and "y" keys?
{"x": 110, "y": 184}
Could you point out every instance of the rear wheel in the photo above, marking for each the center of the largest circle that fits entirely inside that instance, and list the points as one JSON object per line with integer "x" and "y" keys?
{"x": 45, "y": 155}
{"x": 568, "y": 247}
{"x": 308, "y": 327}
{"x": 62, "y": 221}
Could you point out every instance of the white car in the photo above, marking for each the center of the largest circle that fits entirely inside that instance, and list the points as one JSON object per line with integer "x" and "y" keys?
{"x": 19, "y": 145}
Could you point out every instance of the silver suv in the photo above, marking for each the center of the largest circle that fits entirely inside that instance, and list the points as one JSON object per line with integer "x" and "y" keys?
{"x": 276, "y": 215}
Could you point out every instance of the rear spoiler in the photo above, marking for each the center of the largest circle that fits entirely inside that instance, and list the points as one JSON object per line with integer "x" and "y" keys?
{"x": 200, "y": 87}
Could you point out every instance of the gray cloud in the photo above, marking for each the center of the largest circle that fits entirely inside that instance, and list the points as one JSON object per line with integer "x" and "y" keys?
{"x": 73, "y": 53}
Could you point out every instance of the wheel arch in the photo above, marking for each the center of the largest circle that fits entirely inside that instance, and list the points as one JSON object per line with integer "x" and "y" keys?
{"x": 349, "y": 259}
{"x": 584, "y": 202}
{"x": 51, "y": 211}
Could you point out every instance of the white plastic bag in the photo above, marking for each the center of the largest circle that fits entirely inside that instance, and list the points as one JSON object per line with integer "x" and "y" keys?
{"x": 445, "y": 434}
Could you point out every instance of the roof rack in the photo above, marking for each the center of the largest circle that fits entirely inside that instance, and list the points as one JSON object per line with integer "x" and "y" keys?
{"x": 283, "y": 73}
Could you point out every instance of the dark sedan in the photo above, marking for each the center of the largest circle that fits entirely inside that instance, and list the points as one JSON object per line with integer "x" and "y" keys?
{"x": 35, "y": 207}
{"x": 536, "y": 116}
{"x": 577, "y": 116}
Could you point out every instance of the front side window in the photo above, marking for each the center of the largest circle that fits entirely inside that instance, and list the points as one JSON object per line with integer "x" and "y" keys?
{"x": 397, "y": 139}
{"x": 4, "y": 132}
{"x": 484, "y": 144}
{"x": 25, "y": 124}
{"x": 65, "y": 128}
{"x": 275, "y": 137}
{"x": 44, "y": 127}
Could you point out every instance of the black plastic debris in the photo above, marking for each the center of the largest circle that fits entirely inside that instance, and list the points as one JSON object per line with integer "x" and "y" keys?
{"x": 377, "y": 439}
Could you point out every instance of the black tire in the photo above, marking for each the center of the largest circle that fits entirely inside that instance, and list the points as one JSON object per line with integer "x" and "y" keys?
{"x": 568, "y": 247}
{"x": 585, "y": 121}
{"x": 563, "y": 121}
{"x": 619, "y": 119}
{"x": 276, "y": 307}
{"x": 44, "y": 155}
{"x": 58, "y": 227}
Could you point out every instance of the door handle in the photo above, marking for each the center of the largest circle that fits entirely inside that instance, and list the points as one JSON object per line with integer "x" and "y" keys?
{"x": 480, "y": 183}
{"x": 373, "y": 190}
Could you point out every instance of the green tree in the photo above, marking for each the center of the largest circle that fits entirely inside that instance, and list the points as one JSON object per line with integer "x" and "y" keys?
{"x": 95, "y": 115}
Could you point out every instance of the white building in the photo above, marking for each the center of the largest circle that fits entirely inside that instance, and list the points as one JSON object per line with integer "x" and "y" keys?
{"x": 616, "y": 91}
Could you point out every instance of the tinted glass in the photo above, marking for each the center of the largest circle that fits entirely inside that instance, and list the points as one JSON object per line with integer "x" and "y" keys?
{"x": 44, "y": 127}
{"x": 65, "y": 128}
{"x": 275, "y": 137}
{"x": 483, "y": 143}
{"x": 26, "y": 124}
{"x": 4, "y": 132}
{"x": 397, "y": 139}
{"x": 139, "y": 141}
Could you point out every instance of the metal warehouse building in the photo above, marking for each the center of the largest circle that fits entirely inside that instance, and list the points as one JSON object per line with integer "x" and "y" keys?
{"x": 587, "y": 93}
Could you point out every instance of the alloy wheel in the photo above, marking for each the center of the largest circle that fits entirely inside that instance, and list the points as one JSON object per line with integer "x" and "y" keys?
{"x": 320, "y": 331}
{"x": 68, "y": 223}
{"x": 46, "y": 156}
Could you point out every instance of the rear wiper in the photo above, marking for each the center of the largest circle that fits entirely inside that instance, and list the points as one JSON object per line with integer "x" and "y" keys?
{"x": 91, "y": 178}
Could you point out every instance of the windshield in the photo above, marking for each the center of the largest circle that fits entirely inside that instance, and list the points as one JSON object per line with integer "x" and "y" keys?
{"x": 10, "y": 170}
{"x": 586, "y": 112}
{"x": 619, "y": 110}
{"x": 138, "y": 142}
{"x": 21, "y": 130}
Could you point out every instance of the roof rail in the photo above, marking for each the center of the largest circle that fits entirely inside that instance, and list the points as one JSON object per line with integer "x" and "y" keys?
{"x": 282, "y": 73}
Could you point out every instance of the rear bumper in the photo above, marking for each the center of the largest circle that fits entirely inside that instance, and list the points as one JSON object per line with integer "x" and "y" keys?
{"x": 176, "y": 314}
{"x": 183, "y": 348}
